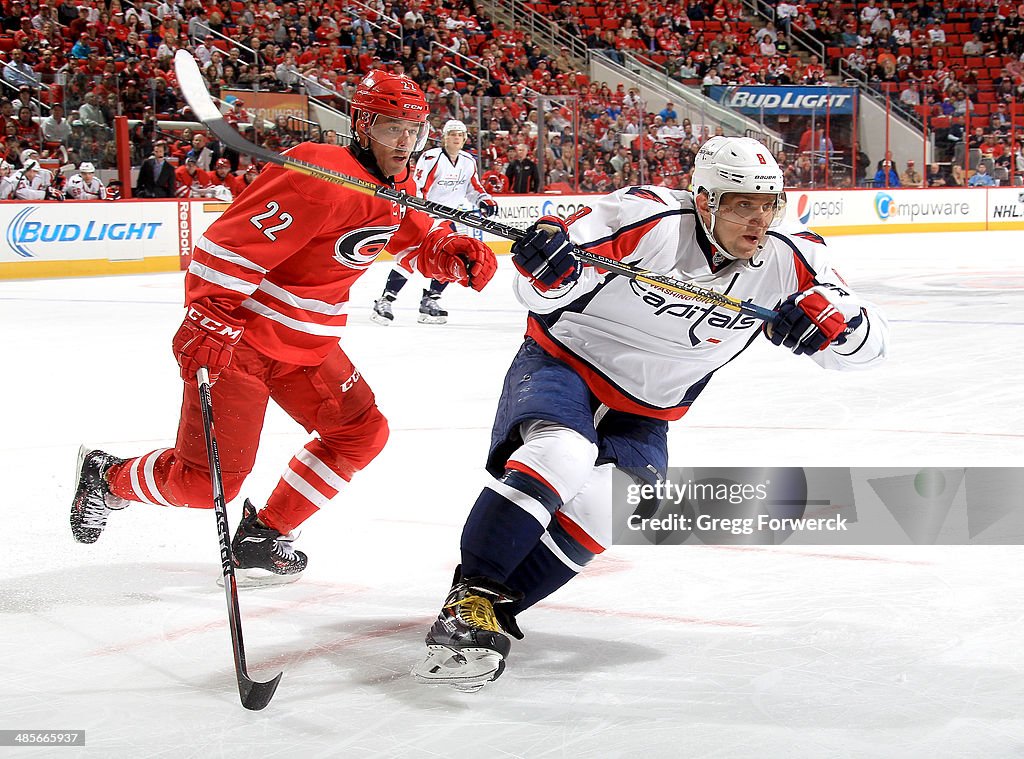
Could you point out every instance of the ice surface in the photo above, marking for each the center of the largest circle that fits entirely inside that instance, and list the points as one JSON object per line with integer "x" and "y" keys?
{"x": 655, "y": 652}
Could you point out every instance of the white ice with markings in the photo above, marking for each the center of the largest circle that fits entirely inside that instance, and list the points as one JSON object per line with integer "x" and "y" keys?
{"x": 656, "y": 652}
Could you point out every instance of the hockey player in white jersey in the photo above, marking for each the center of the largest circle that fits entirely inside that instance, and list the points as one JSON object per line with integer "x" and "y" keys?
{"x": 25, "y": 184}
{"x": 6, "y": 181}
{"x": 606, "y": 364}
{"x": 445, "y": 175}
{"x": 43, "y": 178}
{"x": 85, "y": 185}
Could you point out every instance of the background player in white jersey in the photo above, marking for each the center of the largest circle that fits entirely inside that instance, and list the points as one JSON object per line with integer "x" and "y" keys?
{"x": 608, "y": 362}
{"x": 85, "y": 185}
{"x": 25, "y": 184}
{"x": 445, "y": 175}
{"x": 6, "y": 181}
{"x": 43, "y": 178}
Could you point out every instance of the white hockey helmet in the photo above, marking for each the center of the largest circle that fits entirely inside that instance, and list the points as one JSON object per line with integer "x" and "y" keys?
{"x": 452, "y": 125}
{"x": 735, "y": 164}
{"x": 87, "y": 168}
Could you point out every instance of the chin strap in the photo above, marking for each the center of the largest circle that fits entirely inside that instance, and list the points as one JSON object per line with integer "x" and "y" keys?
{"x": 719, "y": 249}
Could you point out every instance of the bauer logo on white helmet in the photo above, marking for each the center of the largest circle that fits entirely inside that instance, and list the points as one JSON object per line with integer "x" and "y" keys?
{"x": 735, "y": 164}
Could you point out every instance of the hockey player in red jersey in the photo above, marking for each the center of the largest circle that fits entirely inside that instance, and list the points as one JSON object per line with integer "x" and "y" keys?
{"x": 608, "y": 362}
{"x": 266, "y": 296}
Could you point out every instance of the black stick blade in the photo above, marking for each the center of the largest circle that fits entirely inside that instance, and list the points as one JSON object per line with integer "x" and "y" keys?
{"x": 256, "y": 695}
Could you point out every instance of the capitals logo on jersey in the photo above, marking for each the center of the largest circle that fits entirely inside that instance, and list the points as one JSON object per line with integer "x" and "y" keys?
{"x": 360, "y": 247}
{"x": 703, "y": 320}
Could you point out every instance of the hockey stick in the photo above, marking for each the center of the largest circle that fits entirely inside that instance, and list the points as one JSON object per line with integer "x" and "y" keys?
{"x": 255, "y": 695}
{"x": 190, "y": 80}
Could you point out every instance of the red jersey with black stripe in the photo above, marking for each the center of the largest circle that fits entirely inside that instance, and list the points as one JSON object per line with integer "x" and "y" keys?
{"x": 649, "y": 352}
{"x": 284, "y": 256}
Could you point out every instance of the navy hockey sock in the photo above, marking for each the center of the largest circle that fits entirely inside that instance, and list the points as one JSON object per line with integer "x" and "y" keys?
{"x": 396, "y": 281}
{"x": 508, "y": 518}
{"x": 551, "y": 564}
{"x": 436, "y": 288}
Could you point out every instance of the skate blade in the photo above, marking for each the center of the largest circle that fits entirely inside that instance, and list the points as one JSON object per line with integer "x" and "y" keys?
{"x": 82, "y": 453}
{"x": 259, "y": 578}
{"x": 425, "y": 319}
{"x": 466, "y": 670}
{"x": 378, "y": 319}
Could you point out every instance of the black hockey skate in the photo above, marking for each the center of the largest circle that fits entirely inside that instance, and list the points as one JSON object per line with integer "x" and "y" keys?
{"x": 468, "y": 644}
{"x": 430, "y": 309}
{"x": 382, "y": 312}
{"x": 263, "y": 556}
{"x": 93, "y": 500}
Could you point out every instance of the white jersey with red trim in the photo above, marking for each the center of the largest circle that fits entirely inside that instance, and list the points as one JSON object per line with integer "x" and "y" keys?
{"x": 647, "y": 351}
{"x": 78, "y": 189}
{"x": 285, "y": 254}
{"x": 452, "y": 183}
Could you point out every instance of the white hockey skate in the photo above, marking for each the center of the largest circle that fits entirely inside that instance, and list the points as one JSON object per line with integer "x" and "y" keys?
{"x": 430, "y": 309}
{"x": 382, "y": 312}
{"x": 467, "y": 645}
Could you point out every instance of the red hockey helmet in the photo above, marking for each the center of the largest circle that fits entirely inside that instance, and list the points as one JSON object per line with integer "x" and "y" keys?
{"x": 393, "y": 96}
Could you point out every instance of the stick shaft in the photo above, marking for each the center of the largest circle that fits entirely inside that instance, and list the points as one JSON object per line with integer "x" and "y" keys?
{"x": 254, "y": 695}
{"x": 194, "y": 89}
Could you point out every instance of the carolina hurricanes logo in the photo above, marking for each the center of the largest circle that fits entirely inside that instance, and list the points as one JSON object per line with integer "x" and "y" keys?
{"x": 360, "y": 247}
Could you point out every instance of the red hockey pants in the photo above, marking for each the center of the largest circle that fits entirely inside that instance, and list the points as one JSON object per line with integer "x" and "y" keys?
{"x": 330, "y": 399}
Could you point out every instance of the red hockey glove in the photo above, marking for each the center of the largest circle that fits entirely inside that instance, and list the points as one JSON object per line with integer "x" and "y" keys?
{"x": 206, "y": 338}
{"x": 544, "y": 255}
{"x": 487, "y": 207}
{"x": 811, "y": 320}
{"x": 448, "y": 257}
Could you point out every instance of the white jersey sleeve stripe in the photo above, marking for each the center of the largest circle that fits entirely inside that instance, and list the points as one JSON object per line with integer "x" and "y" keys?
{"x": 219, "y": 278}
{"x": 218, "y": 251}
{"x": 299, "y": 326}
{"x": 306, "y": 304}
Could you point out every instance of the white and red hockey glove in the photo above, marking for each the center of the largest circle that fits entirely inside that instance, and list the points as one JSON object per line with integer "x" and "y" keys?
{"x": 205, "y": 338}
{"x": 544, "y": 255}
{"x": 814, "y": 319}
{"x": 448, "y": 257}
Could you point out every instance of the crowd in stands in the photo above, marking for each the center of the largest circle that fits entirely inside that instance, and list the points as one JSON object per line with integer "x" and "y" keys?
{"x": 69, "y": 69}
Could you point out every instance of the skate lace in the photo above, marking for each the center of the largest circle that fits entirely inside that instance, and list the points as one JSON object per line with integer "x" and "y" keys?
{"x": 94, "y": 514}
{"x": 283, "y": 547}
{"x": 477, "y": 612}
